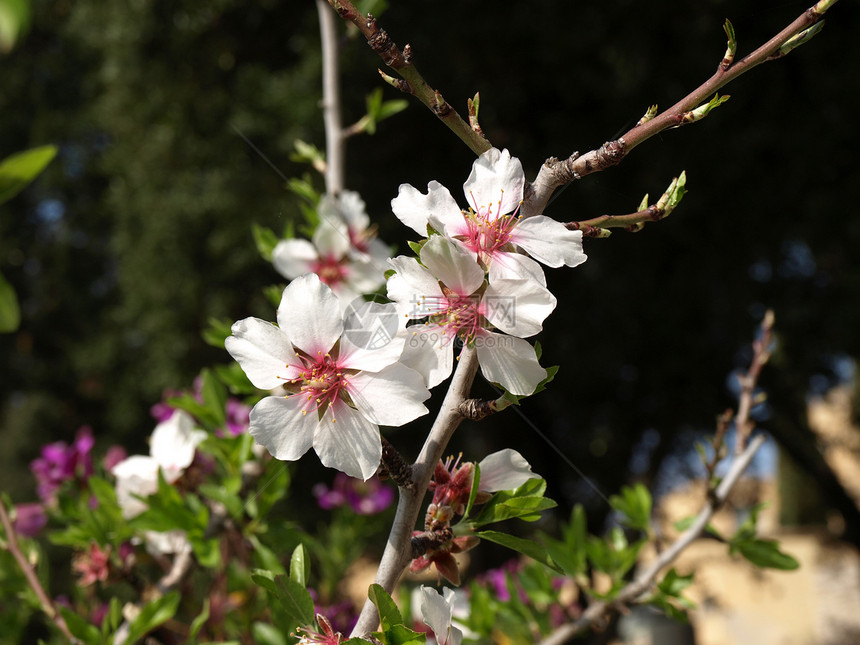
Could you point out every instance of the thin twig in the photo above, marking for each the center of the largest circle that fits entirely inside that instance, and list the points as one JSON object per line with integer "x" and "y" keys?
{"x": 331, "y": 103}
{"x": 413, "y": 82}
{"x": 398, "y": 549}
{"x": 48, "y": 605}
{"x": 555, "y": 173}
{"x": 761, "y": 354}
{"x": 597, "y": 611}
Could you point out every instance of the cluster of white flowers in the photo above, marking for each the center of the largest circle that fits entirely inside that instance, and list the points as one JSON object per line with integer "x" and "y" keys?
{"x": 171, "y": 450}
{"x": 476, "y": 281}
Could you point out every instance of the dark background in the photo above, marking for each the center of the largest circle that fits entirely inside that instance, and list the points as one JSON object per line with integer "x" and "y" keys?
{"x": 140, "y": 231}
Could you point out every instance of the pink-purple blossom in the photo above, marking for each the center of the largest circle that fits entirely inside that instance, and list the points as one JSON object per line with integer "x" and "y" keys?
{"x": 60, "y": 462}
{"x": 364, "y": 497}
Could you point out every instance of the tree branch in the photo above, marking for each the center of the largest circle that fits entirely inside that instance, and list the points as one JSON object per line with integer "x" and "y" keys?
{"x": 412, "y": 82}
{"x": 644, "y": 580}
{"x": 48, "y": 605}
{"x": 398, "y": 549}
{"x": 331, "y": 108}
{"x": 555, "y": 173}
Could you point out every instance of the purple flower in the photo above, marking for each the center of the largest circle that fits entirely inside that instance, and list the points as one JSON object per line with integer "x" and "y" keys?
{"x": 364, "y": 497}
{"x": 30, "y": 519}
{"x": 238, "y": 418}
{"x": 60, "y": 463}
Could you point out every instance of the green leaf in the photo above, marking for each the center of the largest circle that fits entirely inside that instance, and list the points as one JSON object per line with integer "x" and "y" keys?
{"x": 295, "y": 606}
{"x": 672, "y": 584}
{"x": 634, "y": 504}
{"x": 21, "y": 168}
{"x": 389, "y": 614}
{"x": 521, "y": 545}
{"x": 400, "y": 635}
{"x": 525, "y": 503}
{"x": 266, "y": 240}
{"x": 265, "y": 634}
{"x": 235, "y": 379}
{"x": 152, "y": 615}
{"x": 473, "y": 493}
{"x": 214, "y": 397}
{"x": 300, "y": 565}
{"x": 765, "y": 554}
{"x": 80, "y": 627}
{"x": 216, "y": 332}
{"x": 10, "y": 311}
{"x": 199, "y": 621}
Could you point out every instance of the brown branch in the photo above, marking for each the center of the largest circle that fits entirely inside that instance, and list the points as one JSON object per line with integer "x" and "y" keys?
{"x": 555, "y": 173}
{"x": 401, "y": 63}
{"x": 761, "y": 354}
{"x": 48, "y": 605}
{"x": 398, "y": 549}
{"x": 597, "y": 612}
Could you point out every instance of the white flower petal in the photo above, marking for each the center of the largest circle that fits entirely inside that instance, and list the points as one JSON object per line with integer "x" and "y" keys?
{"x": 504, "y": 470}
{"x": 415, "y": 209}
{"x": 437, "y": 612}
{"x": 136, "y": 476}
{"x": 509, "y": 361}
{"x": 264, "y": 352}
{"x": 173, "y": 444}
{"x": 413, "y": 288}
{"x": 455, "y": 269}
{"x": 390, "y": 397}
{"x": 429, "y": 352}
{"x": 518, "y": 307}
{"x": 331, "y": 237}
{"x": 372, "y": 336}
{"x": 292, "y": 258}
{"x": 353, "y": 210}
{"x": 515, "y": 266}
{"x": 310, "y": 315}
{"x": 496, "y": 177}
{"x": 365, "y": 275}
{"x": 549, "y": 242}
{"x": 345, "y": 440}
{"x": 279, "y": 424}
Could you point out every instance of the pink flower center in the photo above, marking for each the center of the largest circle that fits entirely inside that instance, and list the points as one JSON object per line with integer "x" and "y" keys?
{"x": 330, "y": 270}
{"x": 459, "y": 315}
{"x": 488, "y": 232}
{"x": 321, "y": 382}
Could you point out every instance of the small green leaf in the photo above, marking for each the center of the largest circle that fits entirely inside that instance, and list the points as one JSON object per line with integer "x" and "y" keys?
{"x": 389, "y": 614}
{"x": 265, "y": 634}
{"x": 527, "y": 547}
{"x": 21, "y": 168}
{"x": 199, "y": 621}
{"x": 401, "y": 635}
{"x": 265, "y": 239}
{"x": 634, "y": 504}
{"x": 80, "y": 627}
{"x": 766, "y": 554}
{"x": 216, "y": 331}
{"x": 10, "y": 311}
{"x": 214, "y": 397}
{"x": 152, "y": 615}
{"x": 300, "y": 565}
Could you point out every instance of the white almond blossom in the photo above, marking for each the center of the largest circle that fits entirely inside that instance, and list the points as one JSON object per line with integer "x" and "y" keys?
{"x": 504, "y": 470}
{"x": 448, "y": 289}
{"x": 491, "y": 229}
{"x": 343, "y": 252}
{"x": 438, "y": 612}
{"x": 171, "y": 450}
{"x": 334, "y": 393}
